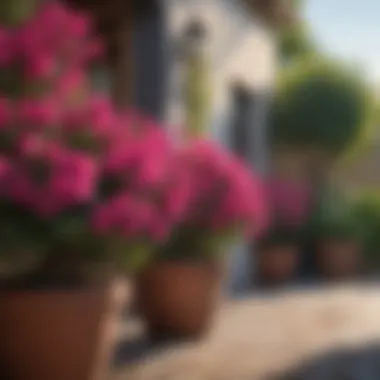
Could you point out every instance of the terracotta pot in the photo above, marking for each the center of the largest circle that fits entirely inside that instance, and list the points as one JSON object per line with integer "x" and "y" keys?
{"x": 277, "y": 264}
{"x": 177, "y": 299}
{"x": 53, "y": 335}
{"x": 339, "y": 258}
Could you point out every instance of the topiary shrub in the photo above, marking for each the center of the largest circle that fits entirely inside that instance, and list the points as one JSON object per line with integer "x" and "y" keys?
{"x": 319, "y": 104}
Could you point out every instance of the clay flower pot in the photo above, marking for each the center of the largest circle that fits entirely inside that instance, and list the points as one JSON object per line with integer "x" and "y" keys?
{"x": 57, "y": 335}
{"x": 277, "y": 263}
{"x": 177, "y": 299}
{"x": 339, "y": 258}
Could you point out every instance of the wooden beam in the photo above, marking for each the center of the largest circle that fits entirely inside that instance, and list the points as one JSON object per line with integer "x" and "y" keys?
{"x": 122, "y": 66}
{"x": 115, "y": 23}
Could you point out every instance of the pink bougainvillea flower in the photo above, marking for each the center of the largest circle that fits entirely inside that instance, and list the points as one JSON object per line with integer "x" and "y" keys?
{"x": 124, "y": 215}
{"x": 31, "y": 144}
{"x": 290, "y": 201}
{"x": 63, "y": 151}
{"x": 41, "y": 66}
{"x": 49, "y": 178}
{"x": 27, "y": 42}
{"x": 101, "y": 114}
{"x": 73, "y": 178}
{"x": 154, "y": 149}
{"x": 219, "y": 192}
{"x": 178, "y": 193}
{"x": 38, "y": 113}
{"x": 142, "y": 157}
{"x": 56, "y": 31}
{"x": 95, "y": 126}
{"x": 80, "y": 25}
{"x": 94, "y": 50}
{"x": 53, "y": 14}
{"x": 69, "y": 83}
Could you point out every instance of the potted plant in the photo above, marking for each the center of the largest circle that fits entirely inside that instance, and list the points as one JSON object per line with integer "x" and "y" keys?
{"x": 278, "y": 252}
{"x": 80, "y": 198}
{"x": 366, "y": 209}
{"x": 337, "y": 238}
{"x": 277, "y": 255}
{"x": 219, "y": 199}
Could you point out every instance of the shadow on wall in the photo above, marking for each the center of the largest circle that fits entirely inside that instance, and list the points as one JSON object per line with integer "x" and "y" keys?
{"x": 342, "y": 364}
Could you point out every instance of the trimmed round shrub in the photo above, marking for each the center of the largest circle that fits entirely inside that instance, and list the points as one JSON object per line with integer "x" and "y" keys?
{"x": 320, "y": 105}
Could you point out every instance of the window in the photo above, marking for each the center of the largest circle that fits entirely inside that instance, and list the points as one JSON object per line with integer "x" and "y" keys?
{"x": 248, "y": 130}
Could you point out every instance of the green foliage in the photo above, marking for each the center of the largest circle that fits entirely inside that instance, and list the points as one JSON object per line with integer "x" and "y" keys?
{"x": 13, "y": 12}
{"x": 320, "y": 104}
{"x": 197, "y": 243}
{"x": 281, "y": 235}
{"x": 295, "y": 42}
{"x": 23, "y": 239}
{"x": 333, "y": 217}
{"x": 367, "y": 212}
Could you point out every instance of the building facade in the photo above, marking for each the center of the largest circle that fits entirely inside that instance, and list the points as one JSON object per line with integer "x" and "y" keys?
{"x": 240, "y": 48}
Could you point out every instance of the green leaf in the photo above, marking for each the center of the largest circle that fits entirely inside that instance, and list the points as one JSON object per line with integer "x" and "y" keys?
{"x": 128, "y": 255}
{"x": 14, "y": 12}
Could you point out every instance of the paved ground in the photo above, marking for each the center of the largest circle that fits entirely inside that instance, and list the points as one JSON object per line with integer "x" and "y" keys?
{"x": 330, "y": 334}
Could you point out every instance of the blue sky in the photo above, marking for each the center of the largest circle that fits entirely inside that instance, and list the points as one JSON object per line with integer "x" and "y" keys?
{"x": 350, "y": 29}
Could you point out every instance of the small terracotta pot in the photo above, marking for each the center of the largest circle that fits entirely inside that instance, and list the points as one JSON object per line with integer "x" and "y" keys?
{"x": 278, "y": 263}
{"x": 339, "y": 258}
{"x": 57, "y": 335}
{"x": 177, "y": 299}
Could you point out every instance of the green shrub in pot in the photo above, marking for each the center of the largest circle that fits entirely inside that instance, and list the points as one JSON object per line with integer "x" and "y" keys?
{"x": 366, "y": 207}
{"x": 277, "y": 254}
{"x": 336, "y": 234}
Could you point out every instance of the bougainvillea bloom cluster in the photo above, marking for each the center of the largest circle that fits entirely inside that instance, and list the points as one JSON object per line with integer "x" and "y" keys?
{"x": 49, "y": 51}
{"x": 64, "y": 156}
{"x": 219, "y": 193}
{"x": 74, "y": 165}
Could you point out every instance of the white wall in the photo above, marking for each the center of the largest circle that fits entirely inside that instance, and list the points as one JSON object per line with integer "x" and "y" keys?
{"x": 240, "y": 48}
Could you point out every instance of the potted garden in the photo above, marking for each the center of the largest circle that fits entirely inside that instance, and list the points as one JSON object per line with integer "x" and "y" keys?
{"x": 81, "y": 197}
{"x": 219, "y": 200}
{"x": 320, "y": 112}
